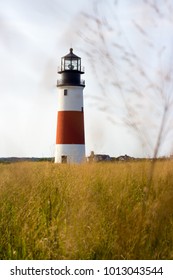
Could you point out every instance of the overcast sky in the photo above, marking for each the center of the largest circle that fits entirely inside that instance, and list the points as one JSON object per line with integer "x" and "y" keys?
{"x": 34, "y": 36}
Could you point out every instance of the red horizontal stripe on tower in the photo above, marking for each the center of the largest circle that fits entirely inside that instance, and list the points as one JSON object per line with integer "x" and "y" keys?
{"x": 70, "y": 127}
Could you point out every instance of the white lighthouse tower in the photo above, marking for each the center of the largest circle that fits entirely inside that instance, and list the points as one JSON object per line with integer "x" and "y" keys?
{"x": 70, "y": 138}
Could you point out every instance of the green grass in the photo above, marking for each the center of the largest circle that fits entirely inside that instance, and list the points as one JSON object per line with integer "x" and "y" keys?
{"x": 88, "y": 211}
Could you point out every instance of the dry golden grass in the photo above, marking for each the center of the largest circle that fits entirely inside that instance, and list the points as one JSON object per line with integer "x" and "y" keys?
{"x": 88, "y": 211}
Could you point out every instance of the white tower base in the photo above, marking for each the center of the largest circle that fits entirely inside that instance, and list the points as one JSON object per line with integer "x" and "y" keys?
{"x": 69, "y": 153}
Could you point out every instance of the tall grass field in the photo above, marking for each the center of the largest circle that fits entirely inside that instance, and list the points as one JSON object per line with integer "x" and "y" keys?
{"x": 88, "y": 211}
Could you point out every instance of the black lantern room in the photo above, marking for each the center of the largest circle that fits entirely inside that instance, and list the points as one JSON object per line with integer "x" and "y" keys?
{"x": 71, "y": 70}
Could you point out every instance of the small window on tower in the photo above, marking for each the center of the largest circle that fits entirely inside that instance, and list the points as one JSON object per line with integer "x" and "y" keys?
{"x": 65, "y": 91}
{"x": 81, "y": 109}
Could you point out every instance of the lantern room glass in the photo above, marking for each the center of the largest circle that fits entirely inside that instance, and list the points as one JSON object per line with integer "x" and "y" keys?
{"x": 70, "y": 64}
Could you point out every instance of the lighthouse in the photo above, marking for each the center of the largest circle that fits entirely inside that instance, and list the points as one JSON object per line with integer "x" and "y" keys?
{"x": 70, "y": 136}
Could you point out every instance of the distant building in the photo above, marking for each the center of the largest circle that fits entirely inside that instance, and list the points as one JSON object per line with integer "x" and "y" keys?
{"x": 124, "y": 158}
{"x": 102, "y": 157}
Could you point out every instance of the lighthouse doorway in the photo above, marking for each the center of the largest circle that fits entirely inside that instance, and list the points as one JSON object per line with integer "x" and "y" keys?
{"x": 63, "y": 159}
